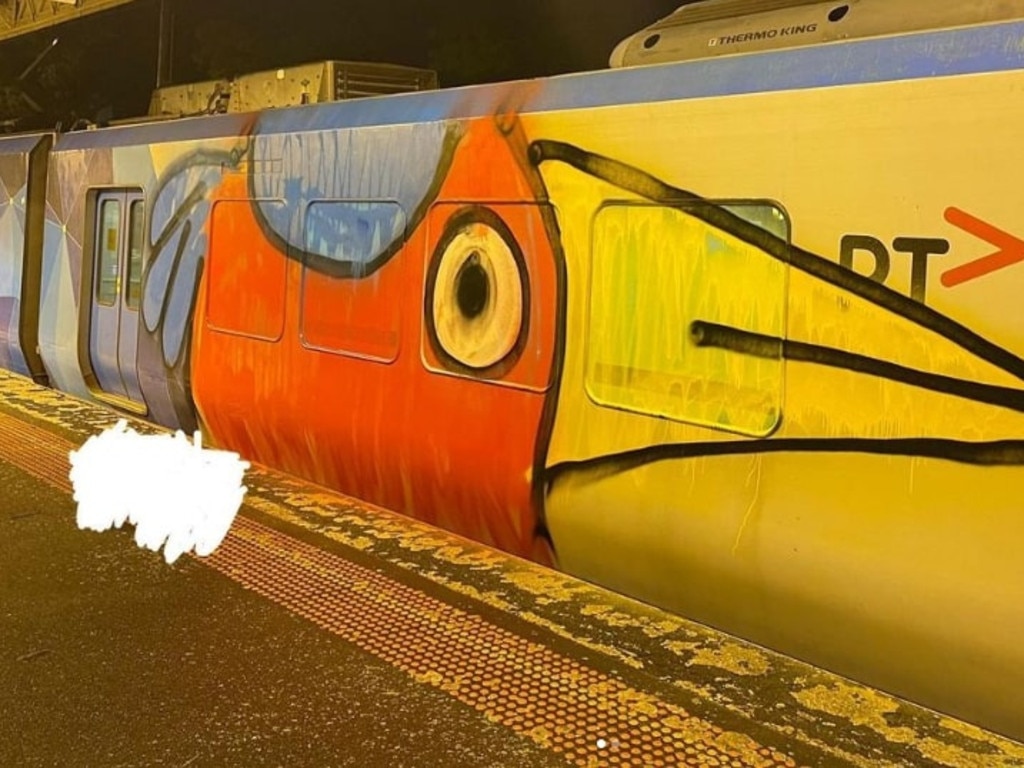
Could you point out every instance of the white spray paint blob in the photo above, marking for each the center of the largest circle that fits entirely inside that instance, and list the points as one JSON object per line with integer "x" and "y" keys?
{"x": 173, "y": 491}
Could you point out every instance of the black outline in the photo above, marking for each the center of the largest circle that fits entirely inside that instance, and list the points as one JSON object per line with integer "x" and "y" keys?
{"x": 201, "y": 158}
{"x": 176, "y": 391}
{"x": 645, "y": 185}
{"x": 357, "y": 270}
{"x": 513, "y": 131}
{"x": 464, "y": 216}
{"x": 996, "y": 453}
{"x": 705, "y": 334}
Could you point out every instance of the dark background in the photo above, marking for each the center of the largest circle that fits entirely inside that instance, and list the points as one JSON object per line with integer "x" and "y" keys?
{"x": 105, "y": 64}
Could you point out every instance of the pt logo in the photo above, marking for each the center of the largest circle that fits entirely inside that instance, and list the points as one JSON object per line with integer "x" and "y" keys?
{"x": 921, "y": 249}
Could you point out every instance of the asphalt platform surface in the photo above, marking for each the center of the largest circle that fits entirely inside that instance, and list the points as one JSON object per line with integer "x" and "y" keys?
{"x": 326, "y": 632}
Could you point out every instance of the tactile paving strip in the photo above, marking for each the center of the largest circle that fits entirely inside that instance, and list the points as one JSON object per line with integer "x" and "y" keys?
{"x": 562, "y": 704}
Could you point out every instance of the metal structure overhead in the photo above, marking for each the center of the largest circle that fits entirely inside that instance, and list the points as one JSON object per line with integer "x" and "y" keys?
{"x": 20, "y": 17}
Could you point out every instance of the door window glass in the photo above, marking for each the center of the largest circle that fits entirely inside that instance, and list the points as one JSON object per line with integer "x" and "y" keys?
{"x": 107, "y": 245}
{"x": 134, "y": 265}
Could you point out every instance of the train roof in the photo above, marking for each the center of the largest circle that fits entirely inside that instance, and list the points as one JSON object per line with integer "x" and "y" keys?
{"x": 20, "y": 143}
{"x": 713, "y": 28}
{"x": 157, "y": 132}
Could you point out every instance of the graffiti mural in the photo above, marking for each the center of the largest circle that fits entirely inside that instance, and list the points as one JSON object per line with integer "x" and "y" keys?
{"x": 722, "y": 336}
{"x": 360, "y": 240}
{"x": 176, "y": 250}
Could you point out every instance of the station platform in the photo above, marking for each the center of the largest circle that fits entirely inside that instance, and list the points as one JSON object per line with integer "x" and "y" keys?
{"x": 327, "y": 632}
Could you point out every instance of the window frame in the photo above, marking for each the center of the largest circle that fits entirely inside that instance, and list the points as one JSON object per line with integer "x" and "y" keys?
{"x": 209, "y": 273}
{"x": 773, "y": 414}
{"x": 373, "y": 268}
{"x": 111, "y": 197}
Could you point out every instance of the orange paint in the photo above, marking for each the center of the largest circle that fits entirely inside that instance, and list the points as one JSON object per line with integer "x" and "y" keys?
{"x": 1011, "y": 249}
{"x": 453, "y": 451}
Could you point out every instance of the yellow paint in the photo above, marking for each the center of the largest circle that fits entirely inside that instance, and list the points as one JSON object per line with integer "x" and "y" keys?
{"x": 551, "y": 586}
{"x": 860, "y": 706}
{"x": 604, "y": 648}
{"x": 638, "y": 702}
{"x": 846, "y": 559}
{"x": 732, "y": 657}
{"x": 491, "y": 598}
{"x": 612, "y": 618}
{"x": 541, "y": 735}
{"x": 431, "y": 678}
{"x": 864, "y": 707}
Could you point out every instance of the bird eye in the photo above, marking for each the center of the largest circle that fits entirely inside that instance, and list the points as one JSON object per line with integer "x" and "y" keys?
{"x": 477, "y": 299}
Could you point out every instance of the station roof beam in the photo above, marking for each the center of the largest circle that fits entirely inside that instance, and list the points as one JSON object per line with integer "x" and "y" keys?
{"x": 20, "y": 17}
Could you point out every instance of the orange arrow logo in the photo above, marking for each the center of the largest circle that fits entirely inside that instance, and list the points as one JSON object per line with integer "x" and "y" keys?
{"x": 1011, "y": 249}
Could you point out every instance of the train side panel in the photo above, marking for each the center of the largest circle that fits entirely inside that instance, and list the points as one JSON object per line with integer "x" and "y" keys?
{"x": 126, "y": 211}
{"x": 71, "y": 174}
{"x": 375, "y": 374}
{"x": 22, "y": 202}
{"x": 820, "y": 448}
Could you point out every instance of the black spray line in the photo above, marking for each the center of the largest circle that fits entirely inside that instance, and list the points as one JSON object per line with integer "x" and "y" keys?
{"x": 989, "y": 454}
{"x": 645, "y": 185}
{"x": 706, "y": 334}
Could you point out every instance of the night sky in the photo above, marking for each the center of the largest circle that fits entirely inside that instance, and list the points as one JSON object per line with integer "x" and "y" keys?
{"x": 106, "y": 63}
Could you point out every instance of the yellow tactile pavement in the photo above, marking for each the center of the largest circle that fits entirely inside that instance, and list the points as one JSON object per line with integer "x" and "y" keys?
{"x": 559, "y": 702}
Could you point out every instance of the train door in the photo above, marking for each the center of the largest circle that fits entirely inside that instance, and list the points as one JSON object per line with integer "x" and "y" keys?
{"x": 117, "y": 261}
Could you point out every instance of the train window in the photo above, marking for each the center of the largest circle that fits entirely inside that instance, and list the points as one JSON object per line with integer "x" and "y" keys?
{"x": 675, "y": 305}
{"x": 246, "y": 280}
{"x": 107, "y": 243}
{"x": 489, "y": 288}
{"x": 134, "y": 263}
{"x": 351, "y": 292}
